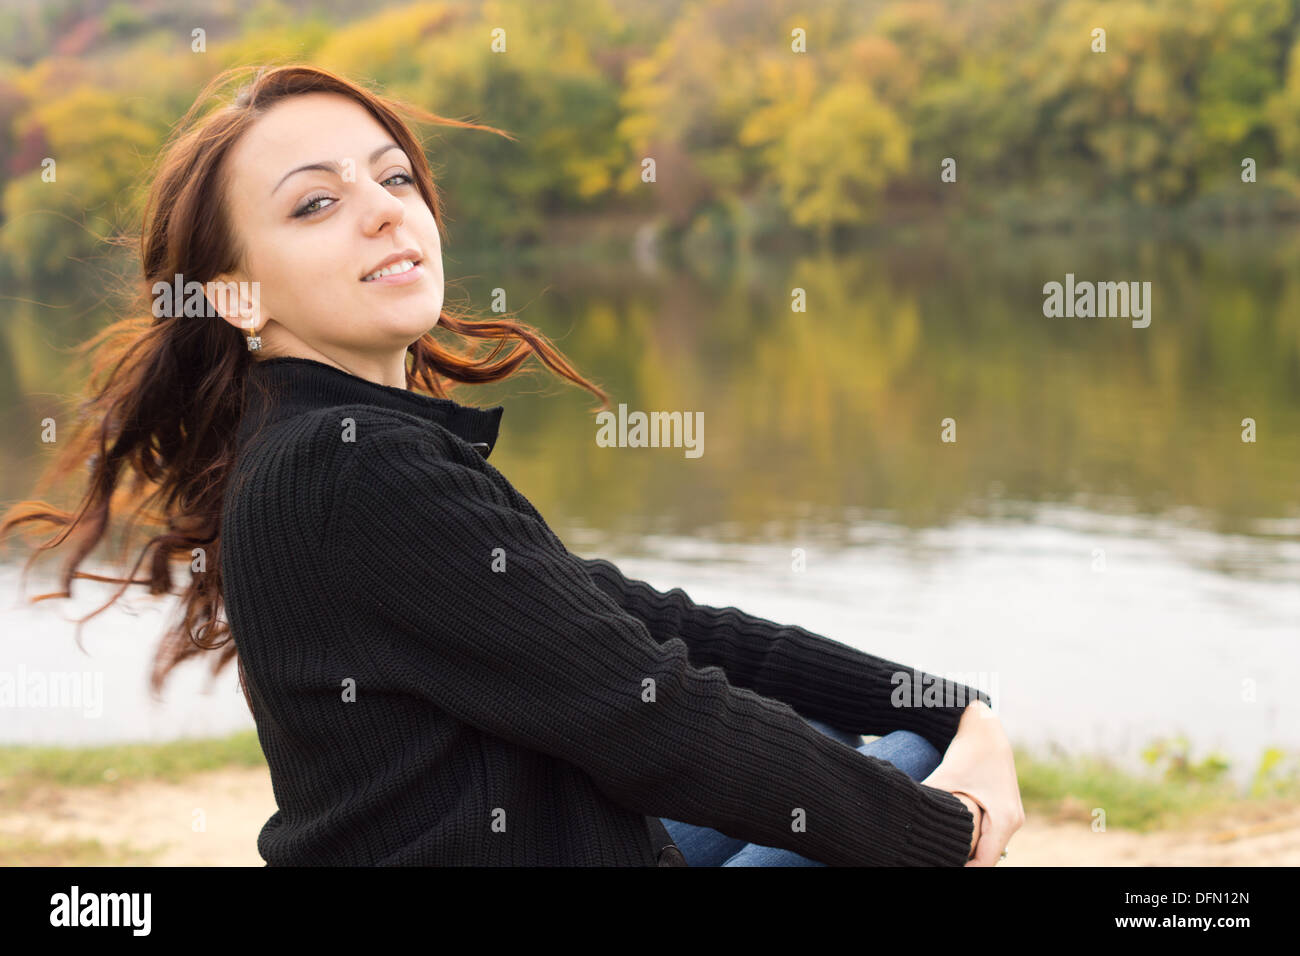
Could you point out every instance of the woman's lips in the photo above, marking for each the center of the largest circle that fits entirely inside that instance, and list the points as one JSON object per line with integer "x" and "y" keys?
{"x": 400, "y": 278}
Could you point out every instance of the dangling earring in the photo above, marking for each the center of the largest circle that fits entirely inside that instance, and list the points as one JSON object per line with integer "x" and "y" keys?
{"x": 254, "y": 341}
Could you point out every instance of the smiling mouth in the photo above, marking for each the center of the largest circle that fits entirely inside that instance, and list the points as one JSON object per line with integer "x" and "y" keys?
{"x": 397, "y": 268}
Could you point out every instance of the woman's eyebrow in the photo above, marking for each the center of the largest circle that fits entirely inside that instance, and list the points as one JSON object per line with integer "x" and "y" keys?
{"x": 331, "y": 166}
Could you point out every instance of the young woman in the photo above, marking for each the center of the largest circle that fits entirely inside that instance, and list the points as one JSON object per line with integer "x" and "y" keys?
{"x": 434, "y": 677}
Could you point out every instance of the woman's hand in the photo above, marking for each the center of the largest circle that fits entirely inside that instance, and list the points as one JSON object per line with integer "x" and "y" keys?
{"x": 979, "y": 765}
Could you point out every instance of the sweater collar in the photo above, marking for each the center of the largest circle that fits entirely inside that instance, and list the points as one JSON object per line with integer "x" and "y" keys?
{"x": 283, "y": 386}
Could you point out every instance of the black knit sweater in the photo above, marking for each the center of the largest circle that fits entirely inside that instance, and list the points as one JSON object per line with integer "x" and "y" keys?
{"x": 437, "y": 680}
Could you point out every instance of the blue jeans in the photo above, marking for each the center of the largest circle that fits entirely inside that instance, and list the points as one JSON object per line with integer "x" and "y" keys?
{"x": 702, "y": 846}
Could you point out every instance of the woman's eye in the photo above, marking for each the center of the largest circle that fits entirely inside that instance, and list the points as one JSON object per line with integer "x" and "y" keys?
{"x": 306, "y": 208}
{"x": 309, "y": 208}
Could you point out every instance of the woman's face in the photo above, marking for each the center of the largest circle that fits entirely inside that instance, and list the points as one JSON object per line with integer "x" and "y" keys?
{"x": 312, "y": 235}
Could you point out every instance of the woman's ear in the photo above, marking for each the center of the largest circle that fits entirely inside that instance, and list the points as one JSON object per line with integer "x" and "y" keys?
{"x": 236, "y": 300}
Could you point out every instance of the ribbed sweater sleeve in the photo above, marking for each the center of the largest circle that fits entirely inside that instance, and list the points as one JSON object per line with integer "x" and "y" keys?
{"x": 482, "y": 611}
{"x": 819, "y": 677}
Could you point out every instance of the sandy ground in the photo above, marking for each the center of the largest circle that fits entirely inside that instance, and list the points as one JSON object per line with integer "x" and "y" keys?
{"x": 212, "y": 819}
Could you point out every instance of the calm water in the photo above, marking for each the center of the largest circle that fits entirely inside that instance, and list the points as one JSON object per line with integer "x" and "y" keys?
{"x": 1098, "y": 548}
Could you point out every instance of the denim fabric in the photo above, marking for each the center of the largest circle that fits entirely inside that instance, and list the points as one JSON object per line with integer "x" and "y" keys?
{"x": 702, "y": 846}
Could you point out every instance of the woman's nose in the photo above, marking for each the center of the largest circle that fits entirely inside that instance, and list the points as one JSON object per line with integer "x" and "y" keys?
{"x": 383, "y": 208}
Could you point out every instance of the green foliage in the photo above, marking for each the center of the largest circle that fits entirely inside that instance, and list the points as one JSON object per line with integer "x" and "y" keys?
{"x": 1071, "y": 786}
{"x": 121, "y": 19}
{"x": 1278, "y": 775}
{"x": 836, "y": 161}
{"x": 1172, "y": 758}
{"x": 1041, "y": 123}
{"x": 1074, "y": 787}
{"x": 46, "y": 226}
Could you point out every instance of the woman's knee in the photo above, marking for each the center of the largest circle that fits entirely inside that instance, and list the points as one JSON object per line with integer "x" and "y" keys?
{"x": 907, "y": 750}
{"x": 846, "y": 737}
{"x": 908, "y": 738}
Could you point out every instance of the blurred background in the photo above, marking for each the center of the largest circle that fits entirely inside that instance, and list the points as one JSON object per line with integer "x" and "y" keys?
{"x": 1099, "y": 550}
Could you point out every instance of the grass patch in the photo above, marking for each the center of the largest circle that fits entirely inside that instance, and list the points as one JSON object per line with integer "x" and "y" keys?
{"x": 26, "y": 851}
{"x": 1176, "y": 791}
{"x": 25, "y": 770}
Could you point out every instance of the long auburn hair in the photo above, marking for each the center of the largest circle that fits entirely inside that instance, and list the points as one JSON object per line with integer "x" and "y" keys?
{"x": 164, "y": 396}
